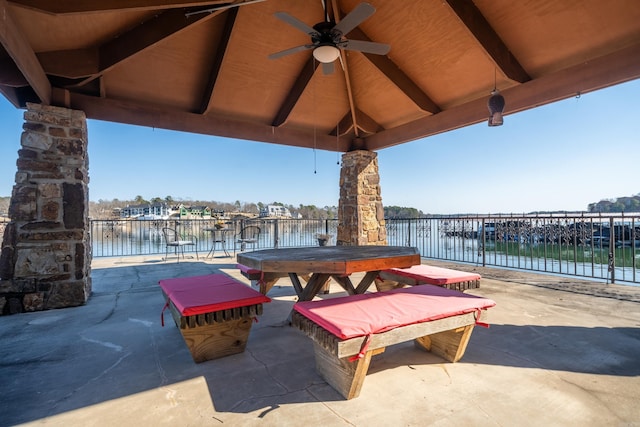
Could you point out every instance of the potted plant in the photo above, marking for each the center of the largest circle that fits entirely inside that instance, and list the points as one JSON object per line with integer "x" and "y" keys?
{"x": 323, "y": 239}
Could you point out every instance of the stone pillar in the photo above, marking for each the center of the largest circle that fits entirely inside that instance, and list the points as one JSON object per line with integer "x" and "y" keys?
{"x": 360, "y": 212}
{"x": 46, "y": 254}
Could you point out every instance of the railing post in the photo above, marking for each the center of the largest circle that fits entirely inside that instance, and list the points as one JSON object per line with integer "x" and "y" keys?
{"x": 275, "y": 233}
{"x": 484, "y": 244}
{"x": 612, "y": 251}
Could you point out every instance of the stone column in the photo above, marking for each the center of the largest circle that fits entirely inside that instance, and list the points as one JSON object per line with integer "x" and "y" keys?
{"x": 360, "y": 212}
{"x": 46, "y": 254}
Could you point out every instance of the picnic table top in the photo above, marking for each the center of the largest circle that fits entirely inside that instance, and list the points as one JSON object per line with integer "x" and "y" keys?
{"x": 331, "y": 259}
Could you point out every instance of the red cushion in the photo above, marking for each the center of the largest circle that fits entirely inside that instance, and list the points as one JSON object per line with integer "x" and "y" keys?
{"x": 248, "y": 270}
{"x": 434, "y": 275}
{"x": 206, "y": 294}
{"x": 364, "y": 314}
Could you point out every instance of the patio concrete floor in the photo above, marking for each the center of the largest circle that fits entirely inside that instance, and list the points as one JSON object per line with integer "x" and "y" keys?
{"x": 551, "y": 357}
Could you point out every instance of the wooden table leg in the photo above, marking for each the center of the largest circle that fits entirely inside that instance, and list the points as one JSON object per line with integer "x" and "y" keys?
{"x": 366, "y": 281}
{"x": 316, "y": 282}
{"x": 346, "y": 284}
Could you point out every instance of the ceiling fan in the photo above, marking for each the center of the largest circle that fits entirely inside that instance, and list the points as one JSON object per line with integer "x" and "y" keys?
{"x": 327, "y": 37}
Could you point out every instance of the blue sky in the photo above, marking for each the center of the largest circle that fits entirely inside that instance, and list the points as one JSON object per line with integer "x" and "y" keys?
{"x": 560, "y": 156}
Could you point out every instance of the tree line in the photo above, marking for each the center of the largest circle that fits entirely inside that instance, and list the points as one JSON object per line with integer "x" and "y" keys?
{"x": 106, "y": 208}
{"x": 103, "y": 209}
{"x": 621, "y": 204}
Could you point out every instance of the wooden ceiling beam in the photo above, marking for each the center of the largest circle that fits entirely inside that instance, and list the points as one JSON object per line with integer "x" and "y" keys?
{"x": 344, "y": 126}
{"x": 397, "y": 76}
{"x": 91, "y": 63}
{"x": 608, "y": 70}
{"x": 366, "y": 123}
{"x": 337, "y": 16}
{"x": 205, "y": 105}
{"x": 160, "y": 117}
{"x": 11, "y": 93}
{"x": 73, "y": 64}
{"x": 84, "y": 6}
{"x": 296, "y": 91}
{"x": 10, "y": 74}
{"x": 480, "y": 28}
{"x": 145, "y": 35}
{"x": 18, "y": 48}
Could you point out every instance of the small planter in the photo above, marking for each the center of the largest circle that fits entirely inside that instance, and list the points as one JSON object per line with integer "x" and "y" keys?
{"x": 323, "y": 239}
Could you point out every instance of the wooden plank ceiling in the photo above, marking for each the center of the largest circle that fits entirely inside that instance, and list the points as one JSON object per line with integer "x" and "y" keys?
{"x": 204, "y": 67}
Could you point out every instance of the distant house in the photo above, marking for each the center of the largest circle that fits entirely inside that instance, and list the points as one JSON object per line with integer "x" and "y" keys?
{"x": 146, "y": 211}
{"x": 275, "y": 211}
{"x": 194, "y": 212}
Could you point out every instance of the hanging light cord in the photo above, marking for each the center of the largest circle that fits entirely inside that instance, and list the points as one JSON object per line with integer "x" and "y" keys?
{"x": 495, "y": 80}
{"x": 337, "y": 143}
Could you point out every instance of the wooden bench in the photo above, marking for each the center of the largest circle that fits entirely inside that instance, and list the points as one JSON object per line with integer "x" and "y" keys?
{"x": 214, "y": 313}
{"x": 266, "y": 280}
{"x": 423, "y": 274}
{"x": 348, "y": 331}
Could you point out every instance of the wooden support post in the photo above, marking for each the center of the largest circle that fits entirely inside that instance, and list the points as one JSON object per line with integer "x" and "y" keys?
{"x": 267, "y": 284}
{"x": 213, "y": 335}
{"x": 387, "y": 285}
{"x": 449, "y": 345}
{"x": 341, "y": 374}
{"x": 217, "y": 340}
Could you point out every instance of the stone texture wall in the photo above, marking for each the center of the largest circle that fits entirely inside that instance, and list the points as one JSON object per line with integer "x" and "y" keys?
{"x": 360, "y": 211}
{"x": 45, "y": 260}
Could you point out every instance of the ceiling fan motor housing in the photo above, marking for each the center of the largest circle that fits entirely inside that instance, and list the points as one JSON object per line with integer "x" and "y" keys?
{"x": 326, "y": 34}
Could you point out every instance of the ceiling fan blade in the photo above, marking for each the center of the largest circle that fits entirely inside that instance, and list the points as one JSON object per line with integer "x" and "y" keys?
{"x": 226, "y": 6}
{"x": 327, "y": 68}
{"x": 295, "y": 22}
{"x": 354, "y": 18}
{"x": 366, "y": 47}
{"x": 289, "y": 51}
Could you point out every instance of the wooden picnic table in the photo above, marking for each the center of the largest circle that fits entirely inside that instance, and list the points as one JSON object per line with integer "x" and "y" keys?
{"x": 336, "y": 262}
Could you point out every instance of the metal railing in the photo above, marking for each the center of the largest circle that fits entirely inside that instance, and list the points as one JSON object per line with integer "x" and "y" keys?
{"x": 124, "y": 237}
{"x": 600, "y": 246}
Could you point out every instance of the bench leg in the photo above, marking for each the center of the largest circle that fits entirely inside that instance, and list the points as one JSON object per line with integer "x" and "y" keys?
{"x": 449, "y": 345}
{"x": 341, "y": 374}
{"x": 387, "y": 285}
{"x": 208, "y": 342}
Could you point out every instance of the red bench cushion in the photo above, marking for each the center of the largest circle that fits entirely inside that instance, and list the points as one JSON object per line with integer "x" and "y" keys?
{"x": 247, "y": 270}
{"x": 435, "y": 275}
{"x": 364, "y": 314}
{"x": 206, "y": 294}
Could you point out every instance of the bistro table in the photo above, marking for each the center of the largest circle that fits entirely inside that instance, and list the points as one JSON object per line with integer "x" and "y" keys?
{"x": 218, "y": 235}
{"x": 324, "y": 262}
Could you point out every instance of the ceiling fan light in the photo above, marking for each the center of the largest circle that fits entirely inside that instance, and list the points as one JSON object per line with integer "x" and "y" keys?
{"x": 326, "y": 54}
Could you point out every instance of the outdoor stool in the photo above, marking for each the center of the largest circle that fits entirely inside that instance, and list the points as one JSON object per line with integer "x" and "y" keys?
{"x": 423, "y": 274}
{"x": 214, "y": 313}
